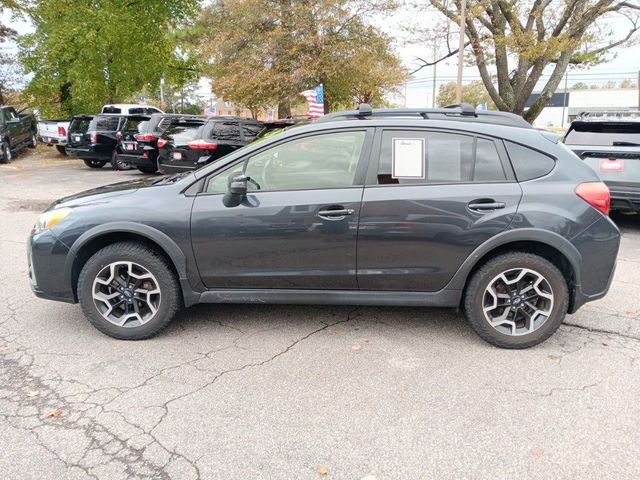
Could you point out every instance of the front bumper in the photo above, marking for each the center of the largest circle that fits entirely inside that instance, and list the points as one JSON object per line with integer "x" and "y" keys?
{"x": 46, "y": 256}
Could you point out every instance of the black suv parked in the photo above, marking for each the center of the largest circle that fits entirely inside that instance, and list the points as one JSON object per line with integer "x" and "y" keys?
{"x": 17, "y": 130}
{"x": 441, "y": 208}
{"x": 138, "y": 146}
{"x": 611, "y": 147}
{"x": 192, "y": 143}
{"x": 93, "y": 138}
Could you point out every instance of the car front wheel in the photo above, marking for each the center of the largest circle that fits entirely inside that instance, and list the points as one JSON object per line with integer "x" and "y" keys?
{"x": 516, "y": 300}
{"x": 128, "y": 291}
{"x": 6, "y": 153}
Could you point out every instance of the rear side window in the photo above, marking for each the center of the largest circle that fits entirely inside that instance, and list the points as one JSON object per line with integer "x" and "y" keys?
{"x": 529, "y": 164}
{"x": 604, "y": 134}
{"x": 225, "y": 131}
{"x": 80, "y": 125}
{"x": 182, "y": 133}
{"x": 251, "y": 130}
{"x": 104, "y": 124}
{"x": 418, "y": 157}
{"x": 136, "y": 125}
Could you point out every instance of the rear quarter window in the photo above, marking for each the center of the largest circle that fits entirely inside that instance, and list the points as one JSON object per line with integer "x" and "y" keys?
{"x": 527, "y": 163}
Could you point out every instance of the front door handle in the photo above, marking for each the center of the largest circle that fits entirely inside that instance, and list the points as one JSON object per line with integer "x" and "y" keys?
{"x": 336, "y": 213}
{"x": 485, "y": 205}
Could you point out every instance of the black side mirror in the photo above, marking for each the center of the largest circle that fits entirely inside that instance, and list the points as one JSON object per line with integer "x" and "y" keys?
{"x": 237, "y": 190}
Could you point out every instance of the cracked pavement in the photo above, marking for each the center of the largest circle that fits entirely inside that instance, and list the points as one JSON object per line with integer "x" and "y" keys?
{"x": 280, "y": 392}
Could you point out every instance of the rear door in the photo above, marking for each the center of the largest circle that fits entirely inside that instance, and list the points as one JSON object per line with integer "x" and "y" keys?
{"x": 431, "y": 198}
{"x": 176, "y": 152}
{"x": 78, "y": 135}
{"x": 135, "y": 126}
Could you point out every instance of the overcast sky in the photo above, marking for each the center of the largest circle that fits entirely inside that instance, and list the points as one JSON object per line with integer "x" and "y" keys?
{"x": 626, "y": 63}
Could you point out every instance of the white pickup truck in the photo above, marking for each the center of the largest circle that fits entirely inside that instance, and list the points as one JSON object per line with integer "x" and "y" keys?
{"x": 54, "y": 133}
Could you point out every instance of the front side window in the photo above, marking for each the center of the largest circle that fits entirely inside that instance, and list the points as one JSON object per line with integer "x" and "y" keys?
{"x": 309, "y": 163}
{"x": 419, "y": 157}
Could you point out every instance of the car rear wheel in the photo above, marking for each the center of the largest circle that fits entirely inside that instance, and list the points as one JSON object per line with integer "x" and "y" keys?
{"x": 6, "y": 153}
{"x": 147, "y": 169}
{"x": 516, "y": 300}
{"x": 95, "y": 163}
{"x": 128, "y": 291}
{"x": 61, "y": 150}
{"x": 117, "y": 163}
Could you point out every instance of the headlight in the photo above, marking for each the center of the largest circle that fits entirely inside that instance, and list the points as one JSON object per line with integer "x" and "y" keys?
{"x": 50, "y": 218}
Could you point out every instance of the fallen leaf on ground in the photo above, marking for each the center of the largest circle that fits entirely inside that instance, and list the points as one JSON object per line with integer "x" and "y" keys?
{"x": 537, "y": 452}
{"x": 366, "y": 340}
{"x": 553, "y": 357}
{"x": 32, "y": 393}
{"x": 324, "y": 471}
{"x": 56, "y": 413}
{"x": 356, "y": 347}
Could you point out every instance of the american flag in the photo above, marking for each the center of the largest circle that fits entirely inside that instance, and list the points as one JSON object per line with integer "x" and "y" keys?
{"x": 315, "y": 98}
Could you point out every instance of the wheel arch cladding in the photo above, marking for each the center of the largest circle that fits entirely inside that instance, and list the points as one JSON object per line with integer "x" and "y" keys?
{"x": 99, "y": 237}
{"x": 552, "y": 247}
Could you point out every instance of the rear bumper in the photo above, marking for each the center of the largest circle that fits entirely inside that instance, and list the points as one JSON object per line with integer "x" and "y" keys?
{"x": 598, "y": 246}
{"x": 52, "y": 140}
{"x": 86, "y": 153}
{"x": 624, "y": 197}
{"x": 137, "y": 160}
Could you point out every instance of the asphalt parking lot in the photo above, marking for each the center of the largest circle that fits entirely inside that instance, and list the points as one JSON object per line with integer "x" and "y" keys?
{"x": 298, "y": 392}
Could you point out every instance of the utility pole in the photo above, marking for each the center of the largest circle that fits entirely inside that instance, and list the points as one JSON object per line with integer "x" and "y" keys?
{"x": 435, "y": 64}
{"x": 564, "y": 98}
{"x": 463, "y": 14}
{"x": 638, "y": 89}
{"x": 162, "y": 91}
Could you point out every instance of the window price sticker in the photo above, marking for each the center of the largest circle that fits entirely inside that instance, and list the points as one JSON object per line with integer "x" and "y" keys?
{"x": 408, "y": 158}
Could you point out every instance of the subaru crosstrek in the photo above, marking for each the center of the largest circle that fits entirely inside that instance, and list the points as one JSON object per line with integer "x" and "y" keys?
{"x": 442, "y": 207}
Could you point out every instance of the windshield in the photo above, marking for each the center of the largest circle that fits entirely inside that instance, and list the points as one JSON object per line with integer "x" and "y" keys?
{"x": 183, "y": 133}
{"x": 604, "y": 134}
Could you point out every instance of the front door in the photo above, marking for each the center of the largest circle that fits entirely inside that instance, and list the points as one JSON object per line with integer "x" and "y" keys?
{"x": 430, "y": 200}
{"x": 297, "y": 226}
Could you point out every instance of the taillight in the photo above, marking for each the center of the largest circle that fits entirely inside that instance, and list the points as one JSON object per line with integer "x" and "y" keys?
{"x": 162, "y": 142}
{"x": 595, "y": 194}
{"x": 62, "y": 132}
{"x": 145, "y": 137}
{"x": 94, "y": 137}
{"x": 202, "y": 145}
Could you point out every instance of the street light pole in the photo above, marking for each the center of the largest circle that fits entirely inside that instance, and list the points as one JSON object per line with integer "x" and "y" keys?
{"x": 461, "y": 51}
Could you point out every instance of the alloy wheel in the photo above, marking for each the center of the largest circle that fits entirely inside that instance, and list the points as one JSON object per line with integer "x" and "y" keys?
{"x": 518, "y": 301}
{"x": 126, "y": 294}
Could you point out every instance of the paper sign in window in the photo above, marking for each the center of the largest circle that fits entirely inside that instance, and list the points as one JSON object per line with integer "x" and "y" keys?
{"x": 408, "y": 158}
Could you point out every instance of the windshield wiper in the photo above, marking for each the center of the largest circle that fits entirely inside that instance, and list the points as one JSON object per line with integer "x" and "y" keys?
{"x": 626, "y": 144}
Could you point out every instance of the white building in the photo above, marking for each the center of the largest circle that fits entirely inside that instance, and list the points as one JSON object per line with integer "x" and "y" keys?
{"x": 576, "y": 101}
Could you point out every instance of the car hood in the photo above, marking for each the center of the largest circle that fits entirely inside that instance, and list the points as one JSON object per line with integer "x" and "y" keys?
{"x": 103, "y": 194}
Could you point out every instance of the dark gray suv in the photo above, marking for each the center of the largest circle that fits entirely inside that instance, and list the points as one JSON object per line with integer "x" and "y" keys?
{"x": 444, "y": 207}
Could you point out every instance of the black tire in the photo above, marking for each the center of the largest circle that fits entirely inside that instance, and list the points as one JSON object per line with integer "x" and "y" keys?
{"x": 474, "y": 299}
{"x": 6, "y": 153}
{"x": 147, "y": 169}
{"x": 61, "y": 150}
{"x": 34, "y": 140}
{"x": 154, "y": 263}
{"x": 118, "y": 164}
{"x": 94, "y": 163}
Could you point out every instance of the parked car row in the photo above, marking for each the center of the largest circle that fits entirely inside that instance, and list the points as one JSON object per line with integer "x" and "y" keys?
{"x": 162, "y": 142}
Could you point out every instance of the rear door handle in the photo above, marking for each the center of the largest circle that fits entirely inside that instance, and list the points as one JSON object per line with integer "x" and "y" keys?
{"x": 336, "y": 213}
{"x": 485, "y": 205}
